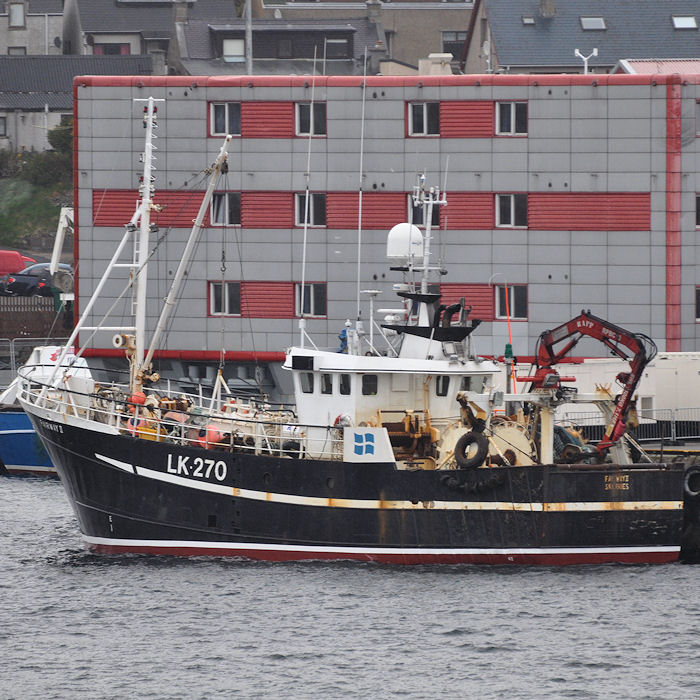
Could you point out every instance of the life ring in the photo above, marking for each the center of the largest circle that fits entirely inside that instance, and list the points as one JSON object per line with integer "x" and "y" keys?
{"x": 691, "y": 485}
{"x": 462, "y": 450}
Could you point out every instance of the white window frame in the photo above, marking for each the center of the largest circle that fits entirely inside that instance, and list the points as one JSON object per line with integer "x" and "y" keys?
{"x": 215, "y": 208}
{"x": 16, "y": 50}
{"x": 16, "y": 15}
{"x": 313, "y": 302}
{"x": 513, "y": 289}
{"x": 426, "y": 128}
{"x": 225, "y": 310}
{"x": 314, "y": 209}
{"x": 226, "y": 107}
{"x": 319, "y": 110}
{"x": 512, "y": 211}
{"x": 237, "y": 54}
{"x": 513, "y": 108}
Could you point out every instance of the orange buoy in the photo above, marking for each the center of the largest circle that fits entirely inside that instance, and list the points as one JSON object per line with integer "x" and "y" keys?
{"x": 209, "y": 436}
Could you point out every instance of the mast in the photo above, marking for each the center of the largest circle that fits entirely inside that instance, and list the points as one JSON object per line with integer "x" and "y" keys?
{"x": 146, "y": 191}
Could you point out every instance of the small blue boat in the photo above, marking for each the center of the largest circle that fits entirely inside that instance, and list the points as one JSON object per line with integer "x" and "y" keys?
{"x": 21, "y": 450}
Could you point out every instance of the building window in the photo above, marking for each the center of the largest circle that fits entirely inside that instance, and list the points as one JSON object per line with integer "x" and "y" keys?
{"x": 697, "y": 211}
{"x": 16, "y": 14}
{"x": 284, "y": 48}
{"x": 111, "y": 49}
{"x": 511, "y": 210}
{"x": 225, "y": 118}
{"x": 226, "y": 208}
{"x": 307, "y": 126}
{"x": 453, "y": 42}
{"x": 697, "y": 303}
{"x": 511, "y": 118}
{"x": 416, "y": 213}
{"x": 3, "y": 126}
{"x": 336, "y": 48}
{"x": 316, "y": 209}
{"x": 423, "y": 118}
{"x": 233, "y": 50}
{"x": 516, "y": 297}
{"x": 684, "y": 22}
{"x": 528, "y": 20}
{"x": 224, "y": 298}
{"x": 314, "y": 301}
{"x": 16, "y": 50}
{"x": 345, "y": 385}
{"x": 592, "y": 23}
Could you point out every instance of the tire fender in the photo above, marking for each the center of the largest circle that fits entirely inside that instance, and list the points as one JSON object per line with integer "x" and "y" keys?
{"x": 462, "y": 449}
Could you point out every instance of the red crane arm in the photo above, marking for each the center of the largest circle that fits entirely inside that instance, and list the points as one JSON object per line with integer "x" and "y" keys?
{"x": 637, "y": 348}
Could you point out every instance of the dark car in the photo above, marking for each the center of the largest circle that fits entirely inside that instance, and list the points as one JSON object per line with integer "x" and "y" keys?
{"x": 33, "y": 281}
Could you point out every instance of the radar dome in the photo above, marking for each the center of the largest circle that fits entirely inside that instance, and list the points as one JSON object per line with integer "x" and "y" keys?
{"x": 405, "y": 241}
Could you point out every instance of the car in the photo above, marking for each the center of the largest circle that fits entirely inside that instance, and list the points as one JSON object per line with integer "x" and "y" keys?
{"x": 33, "y": 281}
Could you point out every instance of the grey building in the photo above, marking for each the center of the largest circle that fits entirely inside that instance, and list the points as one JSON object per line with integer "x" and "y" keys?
{"x": 564, "y": 192}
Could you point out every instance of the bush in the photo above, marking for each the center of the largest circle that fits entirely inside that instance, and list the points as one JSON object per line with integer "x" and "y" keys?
{"x": 46, "y": 168}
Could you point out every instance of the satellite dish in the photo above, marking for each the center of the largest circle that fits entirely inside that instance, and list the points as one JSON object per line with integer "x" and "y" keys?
{"x": 57, "y": 42}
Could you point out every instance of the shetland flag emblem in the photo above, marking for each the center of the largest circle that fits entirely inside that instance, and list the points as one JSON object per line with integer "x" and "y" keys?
{"x": 364, "y": 444}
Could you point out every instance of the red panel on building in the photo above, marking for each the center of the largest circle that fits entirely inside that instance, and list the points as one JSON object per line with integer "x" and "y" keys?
{"x": 116, "y": 207}
{"x": 267, "y": 120}
{"x": 472, "y": 119}
{"x": 479, "y": 296}
{"x": 589, "y": 211}
{"x": 267, "y": 209}
{"x": 468, "y": 210}
{"x": 267, "y": 299}
{"x": 380, "y": 210}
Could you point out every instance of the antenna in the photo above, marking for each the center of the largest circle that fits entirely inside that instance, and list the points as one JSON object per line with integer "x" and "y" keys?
{"x": 585, "y": 59}
{"x": 359, "y": 194}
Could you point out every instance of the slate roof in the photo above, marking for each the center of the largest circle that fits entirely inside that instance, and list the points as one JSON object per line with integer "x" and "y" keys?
{"x": 635, "y": 29}
{"x": 39, "y": 7}
{"x": 151, "y": 19}
{"x": 30, "y": 82}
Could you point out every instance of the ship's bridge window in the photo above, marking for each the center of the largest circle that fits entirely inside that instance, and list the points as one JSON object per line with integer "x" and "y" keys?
{"x": 307, "y": 382}
{"x": 473, "y": 383}
{"x": 345, "y": 384}
{"x": 442, "y": 385}
{"x": 369, "y": 384}
{"x": 326, "y": 384}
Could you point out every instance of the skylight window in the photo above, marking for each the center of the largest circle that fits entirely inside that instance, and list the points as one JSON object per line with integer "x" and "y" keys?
{"x": 528, "y": 20}
{"x": 589, "y": 23}
{"x": 684, "y": 22}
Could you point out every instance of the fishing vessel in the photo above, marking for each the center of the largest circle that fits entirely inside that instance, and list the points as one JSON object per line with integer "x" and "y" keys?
{"x": 398, "y": 448}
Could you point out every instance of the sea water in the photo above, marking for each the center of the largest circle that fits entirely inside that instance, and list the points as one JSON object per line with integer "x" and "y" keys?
{"x": 77, "y": 625}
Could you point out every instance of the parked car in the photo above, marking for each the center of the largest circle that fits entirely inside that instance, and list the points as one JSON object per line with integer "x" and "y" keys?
{"x": 33, "y": 281}
{"x": 12, "y": 261}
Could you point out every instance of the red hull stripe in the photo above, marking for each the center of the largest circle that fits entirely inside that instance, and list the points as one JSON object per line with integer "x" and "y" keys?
{"x": 391, "y": 555}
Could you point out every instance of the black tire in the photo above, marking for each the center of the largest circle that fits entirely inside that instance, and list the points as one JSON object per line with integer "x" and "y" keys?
{"x": 462, "y": 450}
{"x": 691, "y": 484}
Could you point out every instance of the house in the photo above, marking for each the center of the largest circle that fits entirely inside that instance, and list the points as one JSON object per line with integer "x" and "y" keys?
{"x": 36, "y": 93}
{"x": 31, "y": 27}
{"x": 554, "y": 36}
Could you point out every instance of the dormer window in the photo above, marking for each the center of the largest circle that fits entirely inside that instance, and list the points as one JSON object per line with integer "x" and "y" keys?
{"x": 684, "y": 22}
{"x": 233, "y": 50}
{"x": 592, "y": 23}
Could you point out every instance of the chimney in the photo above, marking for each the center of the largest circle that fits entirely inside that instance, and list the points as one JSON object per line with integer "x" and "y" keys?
{"x": 180, "y": 10}
{"x": 547, "y": 8}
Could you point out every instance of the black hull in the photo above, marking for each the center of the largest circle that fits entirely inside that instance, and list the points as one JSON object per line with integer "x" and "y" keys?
{"x": 131, "y": 495}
